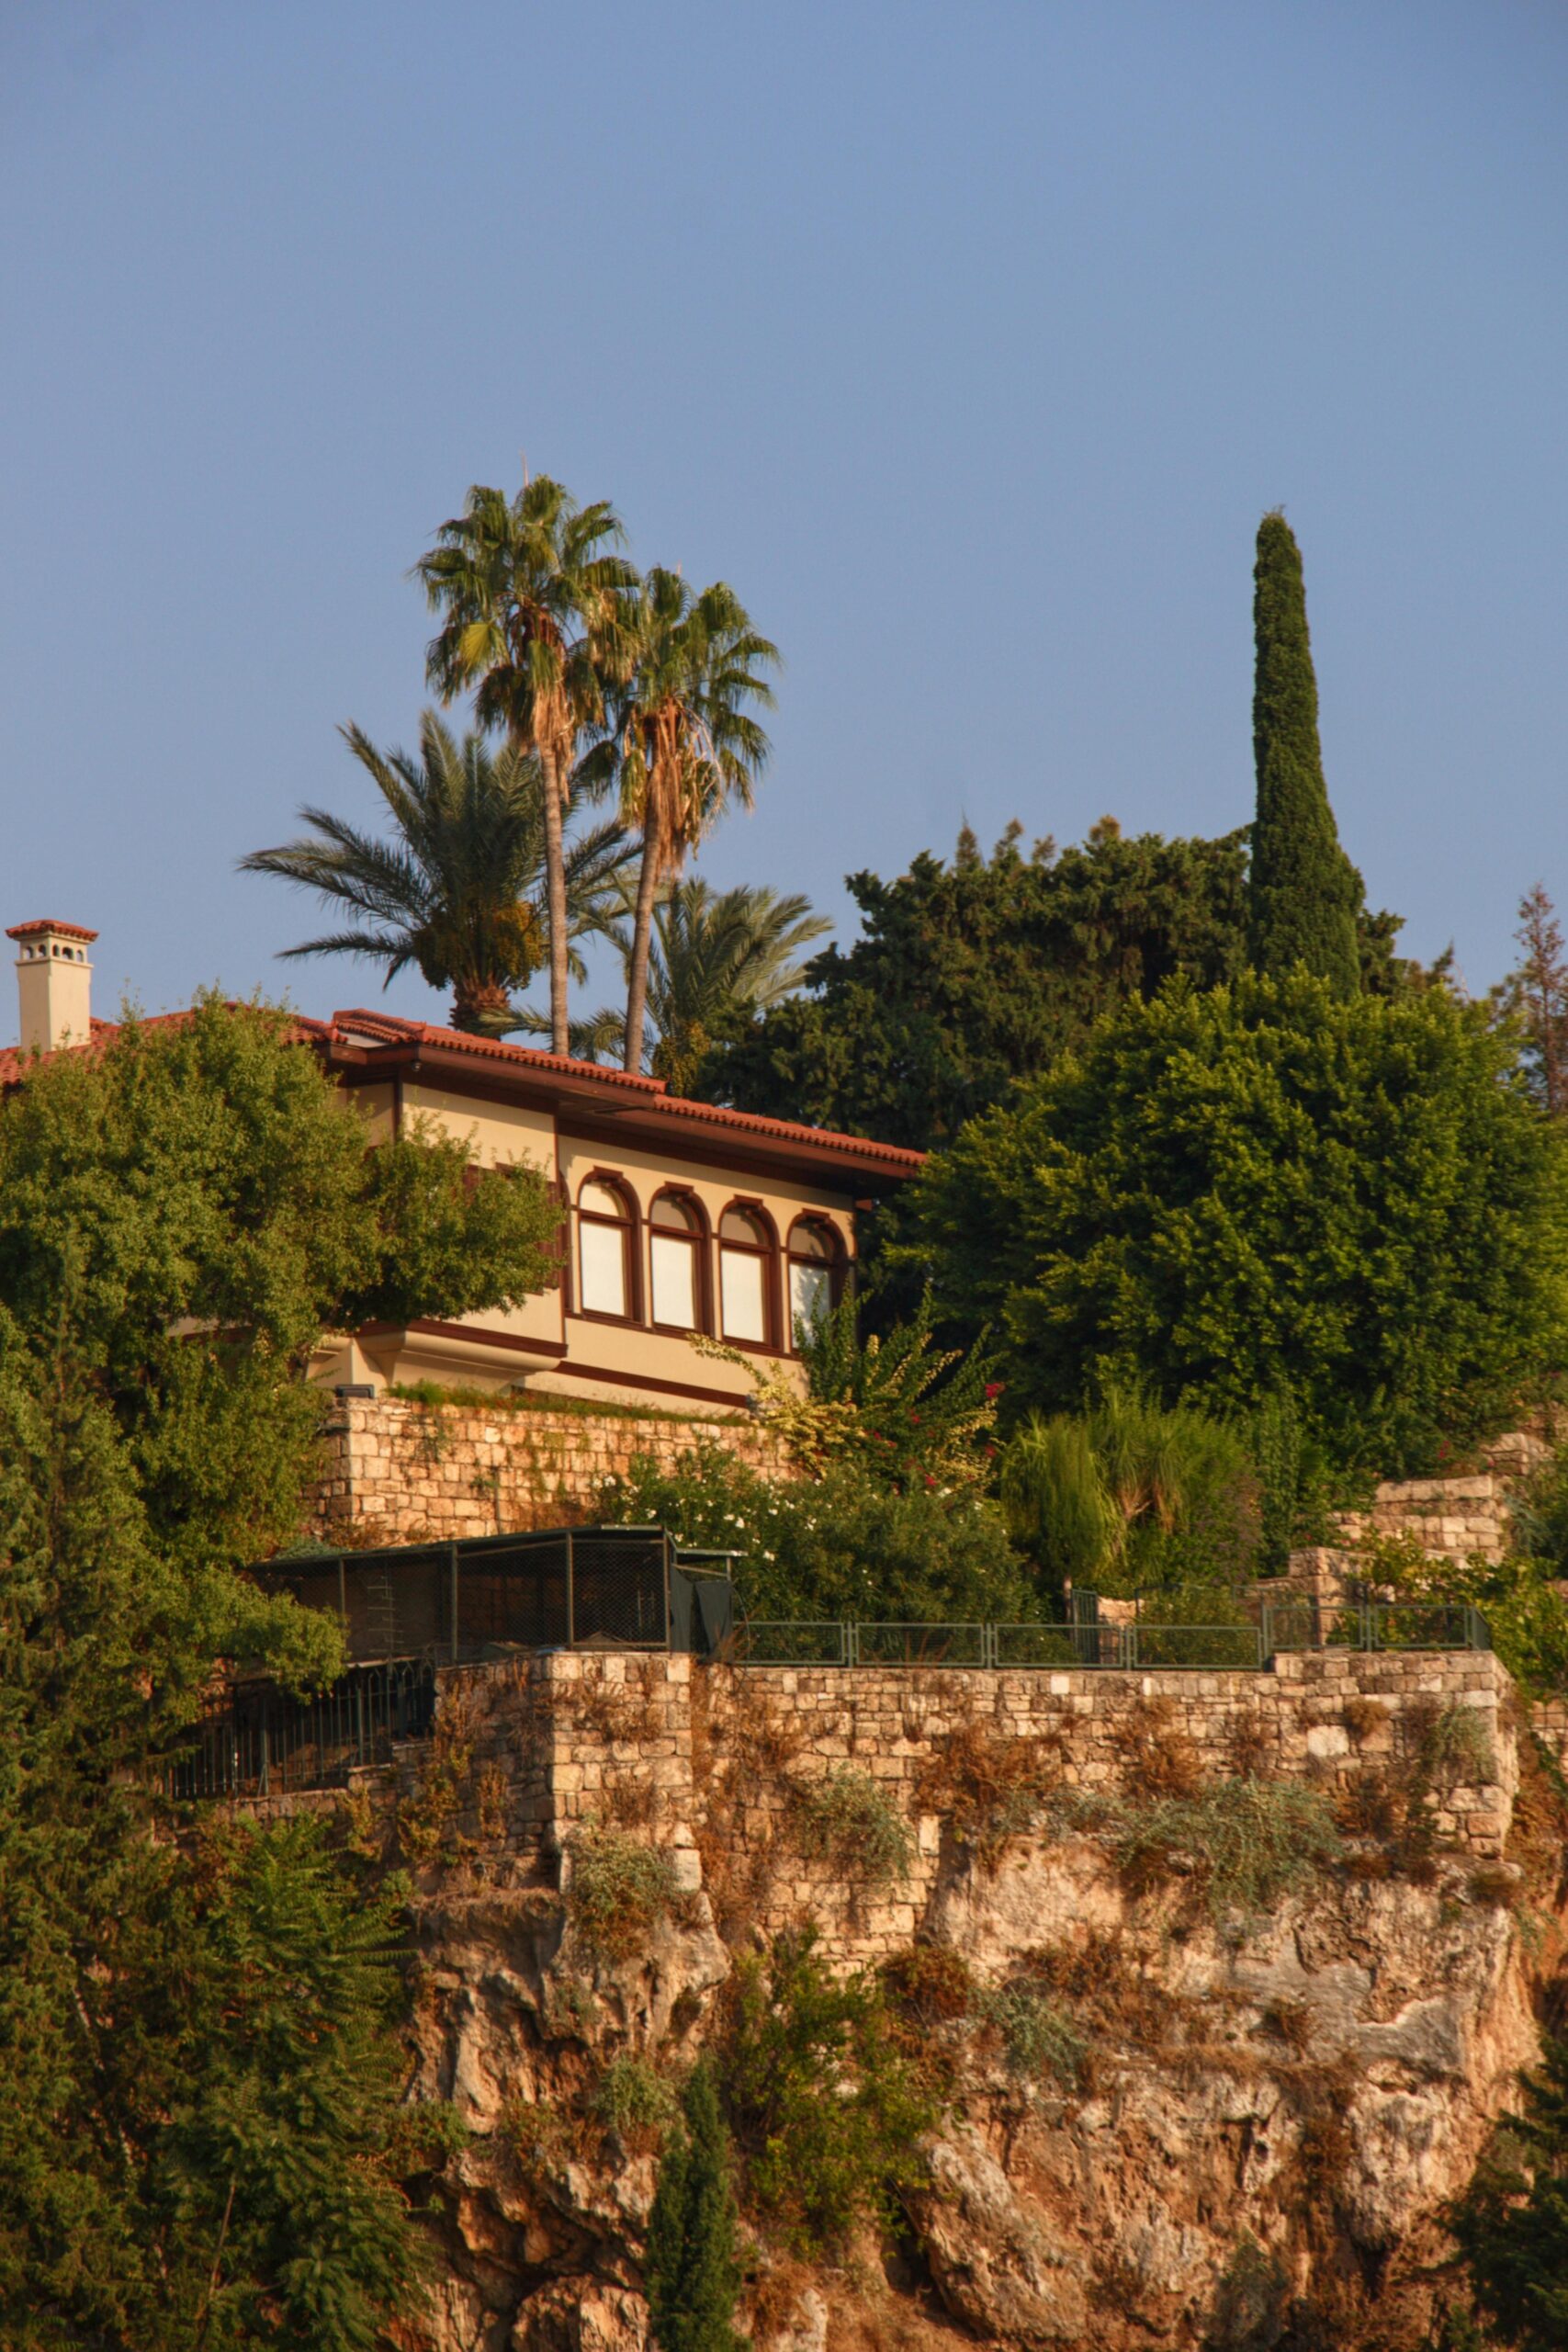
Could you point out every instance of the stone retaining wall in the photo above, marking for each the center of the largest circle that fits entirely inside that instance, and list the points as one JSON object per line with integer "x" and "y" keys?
{"x": 1452, "y": 1519}
{"x": 715, "y": 1764}
{"x": 400, "y": 1473}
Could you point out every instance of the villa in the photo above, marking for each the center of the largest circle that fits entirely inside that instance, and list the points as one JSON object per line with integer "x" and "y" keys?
{"x": 680, "y": 1219}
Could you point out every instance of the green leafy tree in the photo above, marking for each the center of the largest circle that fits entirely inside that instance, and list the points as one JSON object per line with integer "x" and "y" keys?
{"x": 457, "y": 892}
{"x": 185, "y": 1213}
{"x": 689, "y": 745}
{"x": 1512, "y": 2225}
{"x": 1535, "y": 995}
{"x": 1302, "y": 893}
{"x": 533, "y": 605}
{"x": 1267, "y": 1187}
{"x": 971, "y": 975}
{"x": 199, "y": 2135}
{"x": 827, "y": 2111}
{"x": 692, "y": 2272}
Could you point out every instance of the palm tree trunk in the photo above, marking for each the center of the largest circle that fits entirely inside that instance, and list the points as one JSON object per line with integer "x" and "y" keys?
{"x": 554, "y": 872}
{"x": 642, "y": 942}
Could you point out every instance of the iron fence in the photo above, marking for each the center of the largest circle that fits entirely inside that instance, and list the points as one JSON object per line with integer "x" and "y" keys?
{"x": 261, "y": 1743}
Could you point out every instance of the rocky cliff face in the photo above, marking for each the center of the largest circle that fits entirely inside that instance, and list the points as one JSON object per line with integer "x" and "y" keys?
{"x": 1168, "y": 2119}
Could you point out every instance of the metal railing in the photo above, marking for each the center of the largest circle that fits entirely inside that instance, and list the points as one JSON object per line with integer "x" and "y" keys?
{"x": 1138, "y": 1643}
{"x": 261, "y": 1743}
{"x": 570, "y": 1587}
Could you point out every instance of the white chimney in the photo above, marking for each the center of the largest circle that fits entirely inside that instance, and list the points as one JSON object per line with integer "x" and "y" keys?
{"x": 54, "y": 984}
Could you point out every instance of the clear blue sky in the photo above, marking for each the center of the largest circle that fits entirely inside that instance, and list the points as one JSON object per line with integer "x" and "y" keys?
{"x": 967, "y": 342}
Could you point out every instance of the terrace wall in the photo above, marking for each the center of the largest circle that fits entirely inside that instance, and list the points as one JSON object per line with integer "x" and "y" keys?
{"x": 398, "y": 1473}
{"x": 711, "y": 1761}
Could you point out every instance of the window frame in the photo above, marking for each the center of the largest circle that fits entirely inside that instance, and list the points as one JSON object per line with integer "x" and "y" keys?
{"x": 835, "y": 1265}
{"x": 700, "y": 1239}
{"x": 628, "y": 1225}
{"x": 767, "y": 1250}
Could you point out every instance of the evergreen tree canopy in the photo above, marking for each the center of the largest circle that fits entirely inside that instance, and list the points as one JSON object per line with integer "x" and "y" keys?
{"x": 1512, "y": 2225}
{"x": 1268, "y": 1189}
{"x": 972, "y": 974}
{"x": 194, "y": 2030}
{"x": 1304, "y": 894}
{"x": 693, "y": 2275}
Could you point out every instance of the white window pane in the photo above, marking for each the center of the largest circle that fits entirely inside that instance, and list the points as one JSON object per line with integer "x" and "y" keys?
{"x": 603, "y": 1269}
{"x": 675, "y": 1282}
{"x": 741, "y": 1279}
{"x": 600, "y": 1200}
{"x": 809, "y": 1293}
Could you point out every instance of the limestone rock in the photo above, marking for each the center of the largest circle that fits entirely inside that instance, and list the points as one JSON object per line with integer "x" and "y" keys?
{"x": 997, "y": 2266}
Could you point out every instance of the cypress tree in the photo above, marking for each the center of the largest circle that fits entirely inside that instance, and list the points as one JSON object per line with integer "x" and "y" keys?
{"x": 692, "y": 2275}
{"x": 1305, "y": 892}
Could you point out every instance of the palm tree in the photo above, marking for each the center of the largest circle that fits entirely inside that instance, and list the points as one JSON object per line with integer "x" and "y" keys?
{"x": 714, "y": 957}
{"x": 457, "y": 890}
{"x": 686, "y": 744}
{"x": 532, "y": 605}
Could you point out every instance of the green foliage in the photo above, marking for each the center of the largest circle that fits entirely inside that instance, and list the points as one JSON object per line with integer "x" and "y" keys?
{"x": 898, "y": 1408}
{"x": 184, "y": 1213}
{"x": 834, "y": 1547}
{"x": 457, "y": 892}
{"x": 1512, "y": 2223}
{"x": 1303, "y": 891}
{"x": 972, "y": 975}
{"x": 825, "y": 2108}
{"x": 633, "y": 2099}
{"x": 692, "y": 2273}
{"x": 1525, "y": 1614}
{"x": 1133, "y": 1496}
{"x": 200, "y": 2130}
{"x": 849, "y": 1819}
{"x": 1245, "y": 1842}
{"x": 1040, "y": 2041}
{"x": 1295, "y": 1483}
{"x": 619, "y": 1890}
{"x": 1263, "y": 1188}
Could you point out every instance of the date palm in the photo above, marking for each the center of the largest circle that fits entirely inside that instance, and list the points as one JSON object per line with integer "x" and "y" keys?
{"x": 531, "y": 601}
{"x": 456, "y": 890}
{"x": 687, "y": 744}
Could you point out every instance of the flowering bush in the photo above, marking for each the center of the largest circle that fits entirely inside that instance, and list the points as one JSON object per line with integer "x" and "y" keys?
{"x": 836, "y": 1546}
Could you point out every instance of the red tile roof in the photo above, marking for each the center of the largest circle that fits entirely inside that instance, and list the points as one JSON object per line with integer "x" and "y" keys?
{"x": 66, "y": 931}
{"x": 379, "y": 1035}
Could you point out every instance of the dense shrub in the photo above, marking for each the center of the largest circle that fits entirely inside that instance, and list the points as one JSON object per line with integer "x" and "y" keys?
{"x": 826, "y": 2110}
{"x": 618, "y": 1892}
{"x": 1247, "y": 1843}
{"x": 1133, "y": 1496}
{"x": 1512, "y": 2223}
{"x": 632, "y": 2099}
{"x": 1262, "y": 1188}
{"x": 1039, "y": 2041}
{"x": 848, "y": 1819}
{"x": 838, "y": 1547}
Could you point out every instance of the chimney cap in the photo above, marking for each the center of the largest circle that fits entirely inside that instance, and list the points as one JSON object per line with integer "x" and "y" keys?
{"x": 34, "y": 930}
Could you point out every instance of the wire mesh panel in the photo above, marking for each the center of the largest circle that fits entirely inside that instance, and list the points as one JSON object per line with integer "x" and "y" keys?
{"x": 792, "y": 1642}
{"x": 1062, "y": 1645}
{"x": 1214, "y": 1645}
{"x": 920, "y": 1646}
{"x": 617, "y": 1590}
{"x": 513, "y": 1594}
{"x": 1295, "y": 1624}
{"x": 397, "y": 1605}
{"x": 1423, "y": 1626}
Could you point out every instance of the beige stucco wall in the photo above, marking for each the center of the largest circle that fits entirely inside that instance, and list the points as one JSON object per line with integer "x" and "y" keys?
{"x": 568, "y": 1352}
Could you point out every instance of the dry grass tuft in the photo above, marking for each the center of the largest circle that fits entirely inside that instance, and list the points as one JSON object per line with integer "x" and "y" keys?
{"x": 988, "y": 1788}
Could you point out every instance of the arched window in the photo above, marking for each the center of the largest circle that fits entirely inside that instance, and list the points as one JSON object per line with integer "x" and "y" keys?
{"x": 816, "y": 1267}
{"x": 606, "y": 1231}
{"x": 675, "y": 1262}
{"x": 745, "y": 1276}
